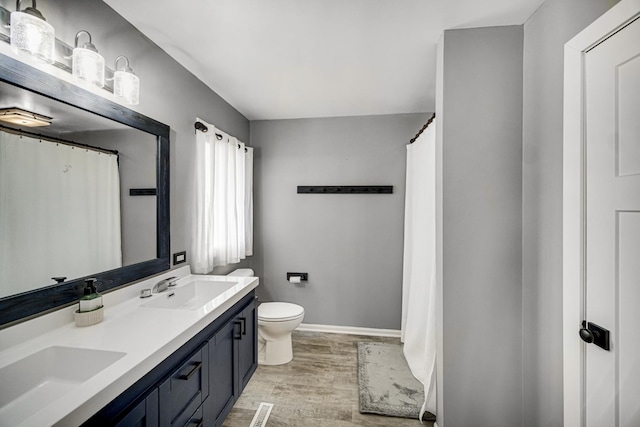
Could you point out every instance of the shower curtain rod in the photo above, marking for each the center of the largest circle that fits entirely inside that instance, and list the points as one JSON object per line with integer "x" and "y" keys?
{"x": 57, "y": 140}
{"x": 204, "y": 129}
{"x": 426, "y": 125}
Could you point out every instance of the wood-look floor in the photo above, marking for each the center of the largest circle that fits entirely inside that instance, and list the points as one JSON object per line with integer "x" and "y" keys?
{"x": 319, "y": 388}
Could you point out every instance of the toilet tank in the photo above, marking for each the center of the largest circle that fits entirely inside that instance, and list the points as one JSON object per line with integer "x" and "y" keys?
{"x": 242, "y": 272}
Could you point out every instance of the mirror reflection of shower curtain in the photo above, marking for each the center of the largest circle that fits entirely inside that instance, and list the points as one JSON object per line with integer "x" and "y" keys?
{"x": 419, "y": 265}
{"x": 59, "y": 212}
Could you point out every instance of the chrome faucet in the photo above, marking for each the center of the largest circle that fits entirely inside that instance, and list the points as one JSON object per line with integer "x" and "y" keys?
{"x": 164, "y": 284}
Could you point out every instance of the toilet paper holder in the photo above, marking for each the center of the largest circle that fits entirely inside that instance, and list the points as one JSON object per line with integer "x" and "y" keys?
{"x": 303, "y": 276}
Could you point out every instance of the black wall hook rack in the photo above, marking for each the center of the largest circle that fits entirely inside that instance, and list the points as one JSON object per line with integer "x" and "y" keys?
{"x": 345, "y": 189}
{"x": 143, "y": 192}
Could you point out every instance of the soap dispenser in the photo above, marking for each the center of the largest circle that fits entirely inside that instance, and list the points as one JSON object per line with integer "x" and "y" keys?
{"x": 90, "y": 310}
{"x": 91, "y": 300}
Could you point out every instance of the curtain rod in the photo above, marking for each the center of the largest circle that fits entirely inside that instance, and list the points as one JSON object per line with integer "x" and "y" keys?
{"x": 204, "y": 129}
{"x": 426, "y": 125}
{"x": 57, "y": 140}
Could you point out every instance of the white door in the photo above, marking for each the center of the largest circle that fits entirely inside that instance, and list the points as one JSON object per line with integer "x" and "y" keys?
{"x": 612, "y": 234}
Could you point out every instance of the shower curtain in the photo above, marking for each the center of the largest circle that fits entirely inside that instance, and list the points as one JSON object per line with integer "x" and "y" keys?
{"x": 59, "y": 212}
{"x": 419, "y": 267}
{"x": 223, "y": 226}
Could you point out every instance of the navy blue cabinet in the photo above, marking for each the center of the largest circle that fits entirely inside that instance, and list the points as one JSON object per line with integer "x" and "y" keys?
{"x": 199, "y": 383}
{"x": 144, "y": 414}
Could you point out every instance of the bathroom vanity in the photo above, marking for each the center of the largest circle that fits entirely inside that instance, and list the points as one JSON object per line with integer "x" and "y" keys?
{"x": 199, "y": 383}
{"x": 181, "y": 357}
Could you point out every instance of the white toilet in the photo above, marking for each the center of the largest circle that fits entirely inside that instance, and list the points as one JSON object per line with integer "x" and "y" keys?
{"x": 276, "y": 321}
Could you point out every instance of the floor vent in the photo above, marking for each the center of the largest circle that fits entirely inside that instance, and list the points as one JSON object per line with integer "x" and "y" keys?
{"x": 262, "y": 415}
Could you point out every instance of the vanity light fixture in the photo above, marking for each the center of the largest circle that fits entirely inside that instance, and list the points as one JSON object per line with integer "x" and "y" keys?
{"x": 126, "y": 84}
{"x": 21, "y": 117}
{"x": 31, "y": 33}
{"x": 87, "y": 64}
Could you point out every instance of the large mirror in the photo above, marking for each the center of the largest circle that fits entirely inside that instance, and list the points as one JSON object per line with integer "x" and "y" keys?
{"x": 86, "y": 195}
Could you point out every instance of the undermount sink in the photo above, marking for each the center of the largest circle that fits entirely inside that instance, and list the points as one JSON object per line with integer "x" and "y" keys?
{"x": 192, "y": 296}
{"x": 37, "y": 380}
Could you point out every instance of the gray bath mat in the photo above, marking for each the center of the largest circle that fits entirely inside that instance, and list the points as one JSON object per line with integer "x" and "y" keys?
{"x": 385, "y": 383}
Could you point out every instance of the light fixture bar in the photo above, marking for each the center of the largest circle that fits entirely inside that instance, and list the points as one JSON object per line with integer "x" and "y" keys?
{"x": 83, "y": 62}
{"x": 63, "y": 51}
{"x": 21, "y": 117}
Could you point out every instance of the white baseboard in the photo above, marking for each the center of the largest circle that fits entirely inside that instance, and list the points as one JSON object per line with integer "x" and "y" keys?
{"x": 349, "y": 330}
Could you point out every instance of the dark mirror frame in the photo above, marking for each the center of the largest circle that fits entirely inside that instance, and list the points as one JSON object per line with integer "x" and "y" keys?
{"x": 28, "y": 304}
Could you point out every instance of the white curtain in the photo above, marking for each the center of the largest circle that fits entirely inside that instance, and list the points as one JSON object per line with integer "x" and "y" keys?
{"x": 223, "y": 227}
{"x": 248, "y": 201}
{"x": 419, "y": 267}
{"x": 59, "y": 212}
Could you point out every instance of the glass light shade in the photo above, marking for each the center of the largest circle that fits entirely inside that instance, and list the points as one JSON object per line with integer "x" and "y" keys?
{"x": 127, "y": 86}
{"x": 88, "y": 66}
{"x": 32, "y": 35}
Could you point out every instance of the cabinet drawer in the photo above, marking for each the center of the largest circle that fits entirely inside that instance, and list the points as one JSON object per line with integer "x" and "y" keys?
{"x": 197, "y": 419}
{"x": 184, "y": 391}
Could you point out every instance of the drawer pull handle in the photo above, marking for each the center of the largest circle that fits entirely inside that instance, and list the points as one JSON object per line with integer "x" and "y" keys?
{"x": 193, "y": 370}
{"x": 198, "y": 423}
{"x": 244, "y": 325}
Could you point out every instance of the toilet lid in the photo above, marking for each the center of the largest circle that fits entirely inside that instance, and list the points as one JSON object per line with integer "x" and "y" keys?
{"x": 279, "y": 311}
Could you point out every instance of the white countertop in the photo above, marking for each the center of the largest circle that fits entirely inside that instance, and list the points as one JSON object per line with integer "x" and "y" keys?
{"x": 146, "y": 335}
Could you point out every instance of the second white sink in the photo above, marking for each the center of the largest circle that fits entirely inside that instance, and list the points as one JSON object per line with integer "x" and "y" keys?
{"x": 191, "y": 296}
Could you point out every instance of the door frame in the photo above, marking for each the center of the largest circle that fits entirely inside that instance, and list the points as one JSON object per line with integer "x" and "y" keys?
{"x": 574, "y": 201}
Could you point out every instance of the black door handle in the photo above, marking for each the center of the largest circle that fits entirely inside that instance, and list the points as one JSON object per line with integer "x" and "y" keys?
{"x": 592, "y": 333}
{"x": 586, "y": 335}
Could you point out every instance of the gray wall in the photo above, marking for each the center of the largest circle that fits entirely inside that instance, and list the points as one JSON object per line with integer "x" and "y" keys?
{"x": 168, "y": 93}
{"x": 351, "y": 245}
{"x": 545, "y": 33}
{"x": 480, "y": 158}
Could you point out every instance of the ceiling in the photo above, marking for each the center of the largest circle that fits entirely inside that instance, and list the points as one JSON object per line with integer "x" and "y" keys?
{"x": 282, "y": 59}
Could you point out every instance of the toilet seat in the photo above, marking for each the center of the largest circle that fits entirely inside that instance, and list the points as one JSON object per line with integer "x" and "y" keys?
{"x": 279, "y": 311}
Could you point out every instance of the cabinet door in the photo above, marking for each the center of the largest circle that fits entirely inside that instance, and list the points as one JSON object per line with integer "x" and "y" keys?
{"x": 222, "y": 377}
{"x": 144, "y": 414}
{"x": 247, "y": 346}
{"x": 185, "y": 390}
